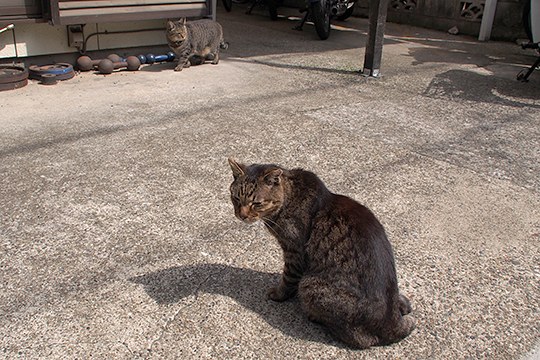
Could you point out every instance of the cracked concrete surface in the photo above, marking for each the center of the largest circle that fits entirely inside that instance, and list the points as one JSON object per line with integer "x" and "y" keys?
{"x": 118, "y": 240}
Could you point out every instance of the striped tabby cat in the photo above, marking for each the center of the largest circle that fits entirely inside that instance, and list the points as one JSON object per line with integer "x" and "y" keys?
{"x": 338, "y": 260}
{"x": 195, "y": 42}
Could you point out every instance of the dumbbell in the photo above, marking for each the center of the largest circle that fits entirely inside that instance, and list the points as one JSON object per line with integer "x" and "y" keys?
{"x": 151, "y": 58}
{"x": 85, "y": 63}
{"x": 106, "y": 66}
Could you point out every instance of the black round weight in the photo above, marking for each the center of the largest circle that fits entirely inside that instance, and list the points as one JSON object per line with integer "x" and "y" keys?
{"x": 106, "y": 66}
{"x": 49, "y": 79}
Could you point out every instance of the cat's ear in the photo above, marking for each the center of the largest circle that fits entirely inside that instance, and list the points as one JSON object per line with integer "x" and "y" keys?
{"x": 237, "y": 168}
{"x": 182, "y": 21}
{"x": 171, "y": 25}
{"x": 273, "y": 177}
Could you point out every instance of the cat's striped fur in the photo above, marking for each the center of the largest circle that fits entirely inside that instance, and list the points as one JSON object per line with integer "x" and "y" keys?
{"x": 337, "y": 257}
{"x": 194, "y": 42}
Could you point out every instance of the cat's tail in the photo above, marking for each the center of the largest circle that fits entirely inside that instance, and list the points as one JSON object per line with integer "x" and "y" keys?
{"x": 223, "y": 45}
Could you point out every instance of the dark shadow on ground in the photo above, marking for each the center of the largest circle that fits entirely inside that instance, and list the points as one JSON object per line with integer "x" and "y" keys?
{"x": 471, "y": 86}
{"x": 282, "y": 65}
{"x": 158, "y": 67}
{"x": 440, "y": 47}
{"x": 72, "y": 136}
{"x": 247, "y": 287}
{"x": 466, "y": 54}
{"x": 489, "y": 142}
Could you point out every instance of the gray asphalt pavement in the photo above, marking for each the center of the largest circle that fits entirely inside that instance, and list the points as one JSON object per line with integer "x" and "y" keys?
{"x": 118, "y": 239}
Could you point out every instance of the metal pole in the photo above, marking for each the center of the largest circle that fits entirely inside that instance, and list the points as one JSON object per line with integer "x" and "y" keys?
{"x": 374, "y": 46}
{"x": 9, "y": 27}
{"x": 487, "y": 20}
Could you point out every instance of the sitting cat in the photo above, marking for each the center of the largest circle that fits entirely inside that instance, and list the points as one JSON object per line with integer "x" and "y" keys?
{"x": 337, "y": 257}
{"x": 195, "y": 42}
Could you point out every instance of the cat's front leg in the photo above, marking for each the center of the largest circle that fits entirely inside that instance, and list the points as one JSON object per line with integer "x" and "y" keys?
{"x": 281, "y": 292}
{"x": 292, "y": 273}
{"x": 216, "y": 58}
{"x": 183, "y": 62}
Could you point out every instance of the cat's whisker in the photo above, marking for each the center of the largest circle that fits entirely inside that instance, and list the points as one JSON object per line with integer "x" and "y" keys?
{"x": 270, "y": 223}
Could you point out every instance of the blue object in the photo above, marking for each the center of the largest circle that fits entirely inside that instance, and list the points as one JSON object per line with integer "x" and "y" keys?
{"x": 160, "y": 58}
{"x": 150, "y": 58}
{"x": 57, "y": 69}
{"x": 142, "y": 58}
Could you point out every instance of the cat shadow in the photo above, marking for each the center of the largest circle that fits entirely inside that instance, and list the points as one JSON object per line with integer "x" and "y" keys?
{"x": 158, "y": 67}
{"x": 169, "y": 66}
{"x": 247, "y": 287}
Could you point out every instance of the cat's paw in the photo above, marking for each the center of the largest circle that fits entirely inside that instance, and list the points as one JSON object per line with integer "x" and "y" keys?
{"x": 179, "y": 68}
{"x": 279, "y": 293}
{"x": 404, "y": 305}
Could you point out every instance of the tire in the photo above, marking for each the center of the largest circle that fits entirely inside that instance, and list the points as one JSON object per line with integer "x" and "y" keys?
{"x": 227, "y": 4}
{"x": 320, "y": 14}
{"x": 272, "y": 9}
{"x": 347, "y": 14}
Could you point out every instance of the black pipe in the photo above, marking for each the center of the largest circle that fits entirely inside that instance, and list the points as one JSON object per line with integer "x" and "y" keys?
{"x": 82, "y": 50}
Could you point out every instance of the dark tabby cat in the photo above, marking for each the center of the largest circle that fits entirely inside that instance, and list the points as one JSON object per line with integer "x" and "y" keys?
{"x": 337, "y": 257}
{"x": 195, "y": 42}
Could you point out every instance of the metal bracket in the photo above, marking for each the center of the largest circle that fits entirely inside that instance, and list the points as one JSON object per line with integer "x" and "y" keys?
{"x": 75, "y": 36}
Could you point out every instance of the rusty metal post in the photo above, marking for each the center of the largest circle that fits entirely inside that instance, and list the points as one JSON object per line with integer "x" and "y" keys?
{"x": 374, "y": 46}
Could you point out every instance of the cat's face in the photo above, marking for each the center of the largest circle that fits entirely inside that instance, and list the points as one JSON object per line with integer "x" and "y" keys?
{"x": 176, "y": 32}
{"x": 256, "y": 192}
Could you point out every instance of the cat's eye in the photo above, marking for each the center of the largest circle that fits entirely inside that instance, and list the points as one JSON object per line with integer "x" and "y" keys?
{"x": 256, "y": 204}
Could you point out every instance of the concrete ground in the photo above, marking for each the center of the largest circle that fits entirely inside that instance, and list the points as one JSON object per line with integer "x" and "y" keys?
{"x": 118, "y": 239}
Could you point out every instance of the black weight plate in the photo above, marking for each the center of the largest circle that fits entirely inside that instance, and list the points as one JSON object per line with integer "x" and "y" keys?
{"x": 65, "y": 76}
{"x": 11, "y": 73}
{"x": 57, "y": 69}
{"x": 49, "y": 79}
{"x": 58, "y": 77}
{"x": 13, "y": 85}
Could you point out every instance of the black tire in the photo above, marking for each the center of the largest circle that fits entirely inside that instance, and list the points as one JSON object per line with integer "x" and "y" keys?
{"x": 227, "y": 4}
{"x": 272, "y": 8}
{"x": 347, "y": 14}
{"x": 320, "y": 14}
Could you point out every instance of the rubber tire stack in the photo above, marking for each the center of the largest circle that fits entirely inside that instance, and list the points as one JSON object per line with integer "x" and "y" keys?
{"x": 12, "y": 77}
